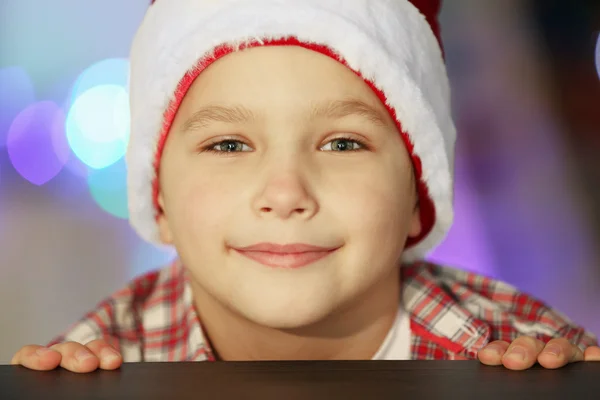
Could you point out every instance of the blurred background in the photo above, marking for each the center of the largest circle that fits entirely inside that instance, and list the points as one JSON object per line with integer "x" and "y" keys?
{"x": 527, "y": 105}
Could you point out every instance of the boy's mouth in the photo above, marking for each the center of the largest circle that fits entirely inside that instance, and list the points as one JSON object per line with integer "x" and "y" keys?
{"x": 293, "y": 255}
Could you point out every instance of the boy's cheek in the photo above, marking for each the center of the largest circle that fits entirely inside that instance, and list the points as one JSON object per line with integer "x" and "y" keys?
{"x": 213, "y": 206}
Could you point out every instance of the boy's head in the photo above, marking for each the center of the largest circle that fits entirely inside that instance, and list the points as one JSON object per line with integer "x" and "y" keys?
{"x": 285, "y": 145}
{"x": 286, "y": 122}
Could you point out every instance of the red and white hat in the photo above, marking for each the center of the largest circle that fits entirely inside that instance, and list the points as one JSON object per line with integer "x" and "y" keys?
{"x": 394, "y": 45}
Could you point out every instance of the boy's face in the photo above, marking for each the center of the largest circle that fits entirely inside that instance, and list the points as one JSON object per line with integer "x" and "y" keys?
{"x": 314, "y": 158}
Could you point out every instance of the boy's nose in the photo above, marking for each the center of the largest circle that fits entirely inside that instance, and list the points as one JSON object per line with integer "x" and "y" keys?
{"x": 285, "y": 196}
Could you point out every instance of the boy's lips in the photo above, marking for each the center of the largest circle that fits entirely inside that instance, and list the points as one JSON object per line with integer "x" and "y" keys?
{"x": 294, "y": 255}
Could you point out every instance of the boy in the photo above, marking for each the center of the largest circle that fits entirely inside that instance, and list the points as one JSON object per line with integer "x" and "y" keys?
{"x": 298, "y": 155}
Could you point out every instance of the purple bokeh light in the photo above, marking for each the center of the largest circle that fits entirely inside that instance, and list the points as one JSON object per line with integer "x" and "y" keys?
{"x": 598, "y": 55}
{"x": 36, "y": 142}
{"x": 16, "y": 93}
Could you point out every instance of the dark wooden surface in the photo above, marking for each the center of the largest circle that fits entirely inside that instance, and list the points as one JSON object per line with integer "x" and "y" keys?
{"x": 306, "y": 380}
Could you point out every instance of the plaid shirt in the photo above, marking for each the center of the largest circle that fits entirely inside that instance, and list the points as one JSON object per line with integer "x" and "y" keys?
{"x": 453, "y": 315}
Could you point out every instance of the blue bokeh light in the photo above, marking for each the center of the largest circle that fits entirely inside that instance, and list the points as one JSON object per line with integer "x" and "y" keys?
{"x": 98, "y": 125}
{"x": 112, "y": 71}
{"x": 146, "y": 257}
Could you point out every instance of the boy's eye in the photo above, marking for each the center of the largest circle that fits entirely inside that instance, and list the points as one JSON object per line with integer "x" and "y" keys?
{"x": 228, "y": 146}
{"x": 236, "y": 146}
{"x": 343, "y": 145}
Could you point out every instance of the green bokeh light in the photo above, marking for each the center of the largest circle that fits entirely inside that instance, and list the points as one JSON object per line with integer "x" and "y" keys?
{"x": 108, "y": 187}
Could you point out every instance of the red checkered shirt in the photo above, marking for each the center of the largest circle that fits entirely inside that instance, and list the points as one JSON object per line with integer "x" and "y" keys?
{"x": 453, "y": 314}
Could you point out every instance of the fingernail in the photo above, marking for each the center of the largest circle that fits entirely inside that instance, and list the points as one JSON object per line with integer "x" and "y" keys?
{"x": 517, "y": 353}
{"x": 43, "y": 350}
{"x": 552, "y": 349}
{"x": 492, "y": 350}
{"x": 109, "y": 354}
{"x": 82, "y": 355}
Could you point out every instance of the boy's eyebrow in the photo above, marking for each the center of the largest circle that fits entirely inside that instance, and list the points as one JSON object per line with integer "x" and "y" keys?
{"x": 335, "y": 109}
{"x": 215, "y": 113}
{"x": 343, "y": 108}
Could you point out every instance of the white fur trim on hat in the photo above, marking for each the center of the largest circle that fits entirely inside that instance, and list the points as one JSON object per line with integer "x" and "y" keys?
{"x": 388, "y": 42}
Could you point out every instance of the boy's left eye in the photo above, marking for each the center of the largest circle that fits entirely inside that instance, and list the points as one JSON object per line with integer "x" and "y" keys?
{"x": 343, "y": 145}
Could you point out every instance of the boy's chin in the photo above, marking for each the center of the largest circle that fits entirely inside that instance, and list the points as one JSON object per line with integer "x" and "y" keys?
{"x": 287, "y": 321}
{"x": 286, "y": 315}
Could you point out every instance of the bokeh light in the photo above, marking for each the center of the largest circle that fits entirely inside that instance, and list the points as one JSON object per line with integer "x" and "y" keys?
{"x": 60, "y": 92}
{"x": 98, "y": 125}
{"x": 112, "y": 71}
{"x": 598, "y": 55}
{"x": 76, "y": 167}
{"x": 16, "y": 93}
{"x": 36, "y": 142}
{"x": 147, "y": 257}
{"x": 108, "y": 187}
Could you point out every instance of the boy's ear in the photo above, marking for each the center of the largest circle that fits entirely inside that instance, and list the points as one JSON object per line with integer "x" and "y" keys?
{"x": 415, "y": 226}
{"x": 166, "y": 236}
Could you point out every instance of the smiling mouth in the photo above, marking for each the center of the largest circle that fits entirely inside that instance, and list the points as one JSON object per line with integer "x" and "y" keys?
{"x": 291, "y": 256}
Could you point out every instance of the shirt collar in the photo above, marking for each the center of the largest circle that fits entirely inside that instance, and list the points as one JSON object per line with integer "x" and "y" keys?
{"x": 436, "y": 314}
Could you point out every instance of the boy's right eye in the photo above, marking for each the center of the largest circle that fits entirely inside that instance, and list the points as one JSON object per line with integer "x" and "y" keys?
{"x": 227, "y": 146}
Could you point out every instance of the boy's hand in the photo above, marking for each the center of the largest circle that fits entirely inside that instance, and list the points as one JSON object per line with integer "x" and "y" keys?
{"x": 525, "y": 351}
{"x": 72, "y": 356}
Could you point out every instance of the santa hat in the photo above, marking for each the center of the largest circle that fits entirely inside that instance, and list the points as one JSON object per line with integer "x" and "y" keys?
{"x": 394, "y": 45}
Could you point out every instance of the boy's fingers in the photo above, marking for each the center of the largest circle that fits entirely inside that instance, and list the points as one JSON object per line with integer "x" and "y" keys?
{"x": 76, "y": 357}
{"x": 493, "y": 352}
{"x": 108, "y": 356}
{"x": 36, "y": 357}
{"x": 592, "y": 354}
{"x": 522, "y": 353}
{"x": 559, "y": 352}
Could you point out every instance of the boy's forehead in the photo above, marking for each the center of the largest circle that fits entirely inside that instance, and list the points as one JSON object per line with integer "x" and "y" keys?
{"x": 256, "y": 76}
